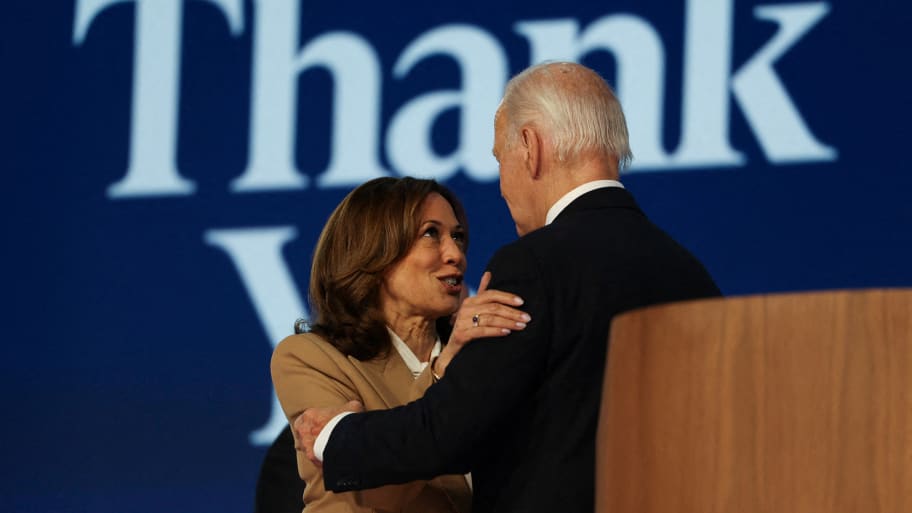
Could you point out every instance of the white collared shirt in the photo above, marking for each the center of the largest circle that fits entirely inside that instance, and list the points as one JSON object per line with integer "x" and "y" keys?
{"x": 568, "y": 198}
{"x": 411, "y": 361}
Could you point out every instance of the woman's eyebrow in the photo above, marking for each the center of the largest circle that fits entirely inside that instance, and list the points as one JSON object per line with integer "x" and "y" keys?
{"x": 441, "y": 223}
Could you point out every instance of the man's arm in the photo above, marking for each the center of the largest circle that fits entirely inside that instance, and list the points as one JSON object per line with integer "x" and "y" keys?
{"x": 439, "y": 433}
{"x": 307, "y": 377}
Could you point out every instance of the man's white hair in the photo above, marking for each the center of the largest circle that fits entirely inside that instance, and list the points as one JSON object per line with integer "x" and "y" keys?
{"x": 573, "y": 105}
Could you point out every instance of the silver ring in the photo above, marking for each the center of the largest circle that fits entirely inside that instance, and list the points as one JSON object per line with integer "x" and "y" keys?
{"x": 475, "y": 319}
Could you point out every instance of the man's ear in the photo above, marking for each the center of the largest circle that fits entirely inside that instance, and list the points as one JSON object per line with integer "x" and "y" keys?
{"x": 532, "y": 146}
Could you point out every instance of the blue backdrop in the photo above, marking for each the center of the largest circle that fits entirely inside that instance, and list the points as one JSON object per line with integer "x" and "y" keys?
{"x": 169, "y": 165}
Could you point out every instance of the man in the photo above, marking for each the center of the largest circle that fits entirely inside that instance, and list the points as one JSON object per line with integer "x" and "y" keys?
{"x": 521, "y": 412}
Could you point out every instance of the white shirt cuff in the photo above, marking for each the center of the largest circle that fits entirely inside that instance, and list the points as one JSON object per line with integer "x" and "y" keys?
{"x": 323, "y": 438}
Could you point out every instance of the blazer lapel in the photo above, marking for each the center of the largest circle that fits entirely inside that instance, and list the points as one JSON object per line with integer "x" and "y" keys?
{"x": 389, "y": 377}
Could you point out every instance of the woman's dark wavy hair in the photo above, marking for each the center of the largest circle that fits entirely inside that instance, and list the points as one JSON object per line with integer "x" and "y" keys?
{"x": 372, "y": 229}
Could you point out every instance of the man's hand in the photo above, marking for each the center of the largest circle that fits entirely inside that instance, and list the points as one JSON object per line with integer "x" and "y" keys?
{"x": 310, "y": 423}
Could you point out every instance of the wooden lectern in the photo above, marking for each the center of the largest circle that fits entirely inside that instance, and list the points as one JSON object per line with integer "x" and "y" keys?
{"x": 789, "y": 403}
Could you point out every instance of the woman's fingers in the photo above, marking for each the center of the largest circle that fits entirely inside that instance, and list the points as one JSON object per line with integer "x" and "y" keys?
{"x": 493, "y": 321}
{"x": 489, "y": 313}
{"x": 494, "y": 296}
{"x": 488, "y": 320}
{"x": 483, "y": 284}
{"x": 495, "y": 314}
{"x": 483, "y": 332}
{"x": 493, "y": 302}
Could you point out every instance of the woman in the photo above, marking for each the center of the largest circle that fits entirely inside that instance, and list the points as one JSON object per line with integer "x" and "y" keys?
{"x": 388, "y": 266}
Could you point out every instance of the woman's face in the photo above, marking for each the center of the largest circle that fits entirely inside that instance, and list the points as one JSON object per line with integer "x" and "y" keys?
{"x": 427, "y": 282}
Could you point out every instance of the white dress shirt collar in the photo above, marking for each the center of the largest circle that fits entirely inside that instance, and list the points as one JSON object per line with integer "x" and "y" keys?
{"x": 411, "y": 361}
{"x": 568, "y": 198}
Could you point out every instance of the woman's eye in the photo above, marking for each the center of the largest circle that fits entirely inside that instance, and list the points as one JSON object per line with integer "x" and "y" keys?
{"x": 431, "y": 232}
{"x": 459, "y": 237}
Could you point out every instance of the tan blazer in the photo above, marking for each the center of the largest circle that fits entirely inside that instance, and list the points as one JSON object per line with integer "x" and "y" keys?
{"x": 308, "y": 372}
